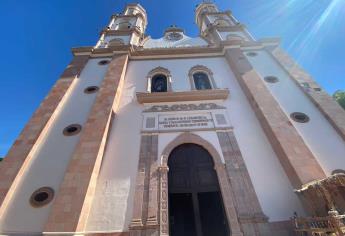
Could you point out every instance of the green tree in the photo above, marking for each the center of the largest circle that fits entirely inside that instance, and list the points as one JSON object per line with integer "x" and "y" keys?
{"x": 339, "y": 96}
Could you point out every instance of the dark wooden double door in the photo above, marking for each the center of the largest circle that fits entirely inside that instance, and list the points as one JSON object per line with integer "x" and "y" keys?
{"x": 195, "y": 203}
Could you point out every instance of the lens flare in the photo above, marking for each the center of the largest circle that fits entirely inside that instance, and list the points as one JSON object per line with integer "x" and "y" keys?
{"x": 312, "y": 21}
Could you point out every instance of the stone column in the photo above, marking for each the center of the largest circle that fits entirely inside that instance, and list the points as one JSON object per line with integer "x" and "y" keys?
{"x": 163, "y": 198}
{"x": 79, "y": 184}
{"x": 247, "y": 204}
{"x": 19, "y": 156}
{"x": 152, "y": 216}
{"x": 297, "y": 160}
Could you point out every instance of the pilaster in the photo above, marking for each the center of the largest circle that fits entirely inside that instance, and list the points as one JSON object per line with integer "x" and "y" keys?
{"x": 246, "y": 202}
{"x": 334, "y": 113}
{"x": 78, "y": 186}
{"x": 19, "y": 156}
{"x": 145, "y": 210}
{"x": 297, "y": 160}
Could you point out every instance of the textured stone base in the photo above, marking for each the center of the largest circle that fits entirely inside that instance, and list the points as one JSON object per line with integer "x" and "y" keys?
{"x": 281, "y": 228}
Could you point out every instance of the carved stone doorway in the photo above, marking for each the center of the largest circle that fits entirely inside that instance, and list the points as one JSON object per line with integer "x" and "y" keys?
{"x": 195, "y": 202}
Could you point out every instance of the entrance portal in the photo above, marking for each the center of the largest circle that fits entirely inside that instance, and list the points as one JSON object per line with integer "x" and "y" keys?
{"x": 195, "y": 202}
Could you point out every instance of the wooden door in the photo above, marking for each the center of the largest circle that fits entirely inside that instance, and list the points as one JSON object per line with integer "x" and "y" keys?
{"x": 195, "y": 203}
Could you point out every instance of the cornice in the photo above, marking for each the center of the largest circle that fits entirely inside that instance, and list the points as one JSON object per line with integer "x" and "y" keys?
{"x": 140, "y": 53}
{"x": 194, "y": 95}
{"x": 129, "y": 31}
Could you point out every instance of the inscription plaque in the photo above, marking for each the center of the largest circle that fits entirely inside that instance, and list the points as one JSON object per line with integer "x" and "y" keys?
{"x": 185, "y": 121}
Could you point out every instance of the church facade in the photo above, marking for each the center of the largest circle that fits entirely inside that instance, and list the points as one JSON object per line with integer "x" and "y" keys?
{"x": 221, "y": 134}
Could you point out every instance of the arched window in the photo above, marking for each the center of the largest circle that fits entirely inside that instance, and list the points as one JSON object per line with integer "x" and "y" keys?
{"x": 201, "y": 81}
{"x": 201, "y": 78}
{"x": 159, "y": 83}
{"x": 234, "y": 37}
{"x": 124, "y": 25}
{"x": 159, "y": 80}
{"x": 222, "y": 23}
{"x": 115, "y": 42}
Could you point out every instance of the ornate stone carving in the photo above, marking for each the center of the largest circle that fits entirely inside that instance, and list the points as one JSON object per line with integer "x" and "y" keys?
{"x": 184, "y": 107}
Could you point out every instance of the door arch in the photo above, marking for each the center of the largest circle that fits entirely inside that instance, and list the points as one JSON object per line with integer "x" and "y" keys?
{"x": 223, "y": 180}
{"x": 195, "y": 204}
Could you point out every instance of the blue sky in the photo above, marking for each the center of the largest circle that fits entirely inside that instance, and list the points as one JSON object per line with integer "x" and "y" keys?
{"x": 37, "y": 36}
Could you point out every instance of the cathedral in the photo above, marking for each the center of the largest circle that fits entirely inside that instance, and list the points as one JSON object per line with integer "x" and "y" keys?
{"x": 217, "y": 135}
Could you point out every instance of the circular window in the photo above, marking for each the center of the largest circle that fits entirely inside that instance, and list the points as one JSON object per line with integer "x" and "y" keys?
{"x": 300, "y": 117}
{"x": 91, "y": 89}
{"x": 42, "y": 197}
{"x": 271, "y": 79}
{"x": 72, "y": 130}
{"x": 338, "y": 171}
{"x": 252, "y": 54}
{"x": 103, "y": 62}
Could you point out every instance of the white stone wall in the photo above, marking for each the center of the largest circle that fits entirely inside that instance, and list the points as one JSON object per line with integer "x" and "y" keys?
{"x": 50, "y": 160}
{"x": 113, "y": 203}
{"x": 321, "y": 138}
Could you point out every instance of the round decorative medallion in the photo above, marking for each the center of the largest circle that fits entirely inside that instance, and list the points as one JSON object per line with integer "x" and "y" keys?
{"x": 300, "y": 117}
{"x": 42, "y": 197}
{"x": 174, "y": 36}
{"x": 252, "y": 54}
{"x": 271, "y": 79}
{"x": 71, "y": 130}
{"x": 103, "y": 62}
{"x": 91, "y": 89}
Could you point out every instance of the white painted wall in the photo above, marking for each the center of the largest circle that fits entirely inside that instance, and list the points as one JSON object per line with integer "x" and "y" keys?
{"x": 321, "y": 138}
{"x": 113, "y": 204}
{"x": 52, "y": 157}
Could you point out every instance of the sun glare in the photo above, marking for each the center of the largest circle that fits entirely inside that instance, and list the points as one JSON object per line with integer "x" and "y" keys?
{"x": 317, "y": 20}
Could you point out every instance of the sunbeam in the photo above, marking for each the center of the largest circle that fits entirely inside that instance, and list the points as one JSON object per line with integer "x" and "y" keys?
{"x": 312, "y": 22}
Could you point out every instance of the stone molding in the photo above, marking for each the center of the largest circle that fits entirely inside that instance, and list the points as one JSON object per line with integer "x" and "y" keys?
{"x": 79, "y": 184}
{"x": 332, "y": 111}
{"x": 19, "y": 156}
{"x": 184, "y": 107}
{"x": 298, "y": 162}
{"x": 195, "y": 95}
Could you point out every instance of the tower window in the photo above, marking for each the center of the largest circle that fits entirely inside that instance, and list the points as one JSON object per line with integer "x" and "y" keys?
{"x": 71, "y": 130}
{"x": 42, "y": 197}
{"x": 159, "y": 83}
{"x": 201, "y": 81}
{"x": 300, "y": 117}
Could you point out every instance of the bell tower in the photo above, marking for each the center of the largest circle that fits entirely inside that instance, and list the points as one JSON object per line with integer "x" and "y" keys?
{"x": 219, "y": 27}
{"x": 124, "y": 29}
